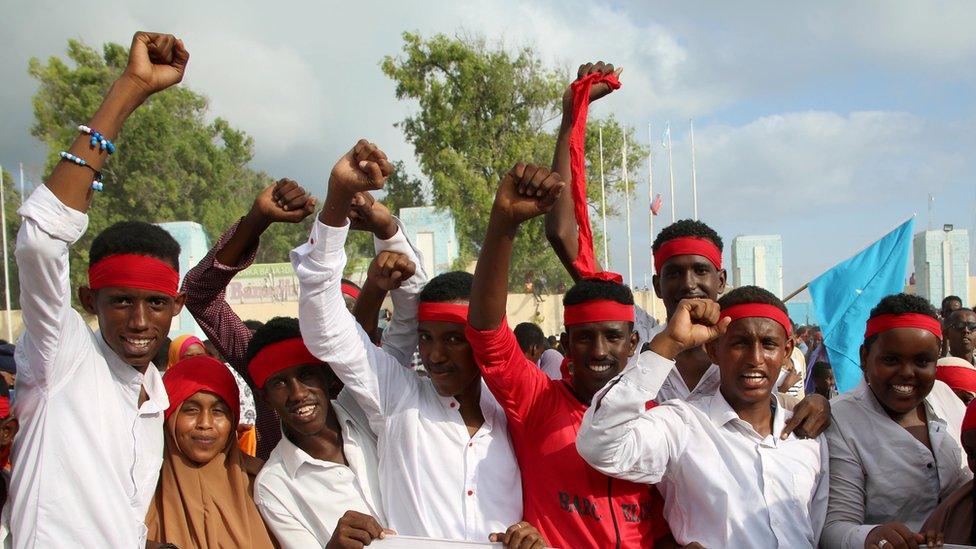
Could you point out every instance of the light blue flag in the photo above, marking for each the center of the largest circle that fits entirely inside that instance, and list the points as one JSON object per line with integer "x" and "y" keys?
{"x": 844, "y": 296}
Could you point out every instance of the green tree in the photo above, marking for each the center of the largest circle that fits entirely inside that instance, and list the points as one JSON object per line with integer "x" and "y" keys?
{"x": 171, "y": 164}
{"x": 482, "y": 109}
{"x": 11, "y": 202}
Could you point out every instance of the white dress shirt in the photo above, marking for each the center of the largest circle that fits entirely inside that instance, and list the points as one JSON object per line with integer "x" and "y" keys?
{"x": 87, "y": 458}
{"x": 302, "y": 498}
{"x": 674, "y": 385}
{"x": 436, "y": 479}
{"x": 551, "y": 362}
{"x": 646, "y": 327}
{"x": 723, "y": 484}
{"x": 880, "y": 473}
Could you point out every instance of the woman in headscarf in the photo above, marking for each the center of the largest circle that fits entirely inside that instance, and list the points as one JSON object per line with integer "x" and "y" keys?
{"x": 955, "y": 518}
{"x": 205, "y": 494}
{"x": 184, "y": 346}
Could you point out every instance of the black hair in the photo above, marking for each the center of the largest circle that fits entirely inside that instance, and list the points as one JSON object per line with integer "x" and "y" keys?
{"x": 820, "y": 369}
{"x": 591, "y": 289}
{"x": 277, "y": 329}
{"x": 949, "y": 298}
{"x": 751, "y": 294}
{"x": 686, "y": 227}
{"x": 802, "y": 329}
{"x": 135, "y": 237}
{"x": 253, "y": 325}
{"x": 528, "y": 334}
{"x": 900, "y": 304}
{"x": 446, "y": 287}
{"x": 959, "y": 310}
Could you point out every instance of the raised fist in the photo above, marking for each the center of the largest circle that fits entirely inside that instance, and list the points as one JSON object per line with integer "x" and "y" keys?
{"x": 527, "y": 191}
{"x": 390, "y": 269}
{"x": 694, "y": 323}
{"x": 364, "y": 168}
{"x": 597, "y": 90}
{"x": 156, "y": 61}
{"x": 368, "y": 214}
{"x": 285, "y": 201}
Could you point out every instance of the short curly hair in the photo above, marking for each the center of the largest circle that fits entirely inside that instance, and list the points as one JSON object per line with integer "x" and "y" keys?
{"x": 277, "y": 329}
{"x": 591, "y": 289}
{"x": 446, "y": 287}
{"x": 684, "y": 228}
{"x": 900, "y": 304}
{"x": 135, "y": 237}
{"x": 751, "y": 294}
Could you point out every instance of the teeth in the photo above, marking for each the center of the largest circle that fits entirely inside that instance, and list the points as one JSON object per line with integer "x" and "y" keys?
{"x": 599, "y": 367}
{"x": 754, "y": 376}
{"x": 305, "y": 411}
{"x": 138, "y": 342}
{"x": 903, "y": 389}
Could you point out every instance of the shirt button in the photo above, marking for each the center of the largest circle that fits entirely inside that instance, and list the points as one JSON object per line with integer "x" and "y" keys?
{"x": 929, "y": 465}
{"x": 470, "y": 492}
{"x": 470, "y": 444}
{"x": 453, "y": 404}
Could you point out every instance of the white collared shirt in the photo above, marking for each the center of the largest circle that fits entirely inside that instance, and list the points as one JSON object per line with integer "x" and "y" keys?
{"x": 674, "y": 385}
{"x": 302, "y": 498}
{"x": 551, "y": 362}
{"x": 880, "y": 473}
{"x": 86, "y": 460}
{"x": 646, "y": 327}
{"x": 723, "y": 484}
{"x": 437, "y": 480}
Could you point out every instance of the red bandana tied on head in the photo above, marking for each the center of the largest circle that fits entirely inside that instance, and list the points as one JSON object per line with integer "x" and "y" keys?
{"x": 279, "y": 356}
{"x": 134, "y": 271}
{"x": 957, "y": 377}
{"x": 4, "y": 407}
{"x": 598, "y": 310}
{"x": 759, "y": 310}
{"x": 883, "y": 323}
{"x": 687, "y": 245}
{"x": 585, "y": 263}
{"x": 350, "y": 290}
{"x": 201, "y": 373}
{"x": 443, "y": 312}
{"x": 969, "y": 420}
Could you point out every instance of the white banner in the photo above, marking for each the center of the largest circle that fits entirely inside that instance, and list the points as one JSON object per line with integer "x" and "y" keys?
{"x": 411, "y": 542}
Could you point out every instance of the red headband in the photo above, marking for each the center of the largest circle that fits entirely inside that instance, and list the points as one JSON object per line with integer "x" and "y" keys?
{"x": 201, "y": 373}
{"x": 883, "y": 323}
{"x": 585, "y": 263}
{"x": 957, "y": 377}
{"x": 134, "y": 271}
{"x": 969, "y": 420}
{"x": 445, "y": 312}
{"x": 687, "y": 245}
{"x": 350, "y": 290}
{"x": 599, "y": 310}
{"x": 4, "y": 407}
{"x": 277, "y": 357}
{"x": 759, "y": 310}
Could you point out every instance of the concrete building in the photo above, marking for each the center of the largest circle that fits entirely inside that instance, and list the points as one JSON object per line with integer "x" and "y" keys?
{"x": 942, "y": 264}
{"x": 757, "y": 260}
{"x": 194, "y": 246}
{"x": 432, "y": 232}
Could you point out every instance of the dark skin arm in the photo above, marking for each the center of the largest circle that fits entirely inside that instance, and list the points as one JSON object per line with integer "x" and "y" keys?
{"x": 364, "y": 168}
{"x": 386, "y": 272}
{"x": 356, "y": 530}
{"x": 520, "y": 535}
{"x": 156, "y": 62}
{"x": 368, "y": 214}
{"x": 525, "y": 192}
{"x": 561, "y": 230}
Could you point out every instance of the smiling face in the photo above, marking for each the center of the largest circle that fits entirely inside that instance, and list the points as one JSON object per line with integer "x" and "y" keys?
{"x": 300, "y": 396}
{"x": 133, "y": 322}
{"x": 750, "y": 356}
{"x": 899, "y": 367}
{"x": 447, "y": 356}
{"x": 960, "y": 331}
{"x": 687, "y": 277}
{"x": 202, "y": 427}
{"x": 598, "y": 351}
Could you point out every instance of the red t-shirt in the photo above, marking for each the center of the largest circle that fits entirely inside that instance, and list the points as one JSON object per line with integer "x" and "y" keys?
{"x": 572, "y": 504}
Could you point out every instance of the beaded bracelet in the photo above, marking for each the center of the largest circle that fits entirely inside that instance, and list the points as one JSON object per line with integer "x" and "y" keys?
{"x": 97, "y": 139}
{"x": 97, "y": 183}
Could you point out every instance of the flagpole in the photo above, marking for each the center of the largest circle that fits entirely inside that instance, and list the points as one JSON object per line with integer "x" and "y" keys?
{"x": 603, "y": 204}
{"x": 859, "y": 250}
{"x": 630, "y": 255}
{"x": 931, "y": 200}
{"x": 671, "y": 174}
{"x": 694, "y": 178}
{"x": 650, "y": 213}
{"x": 21, "y": 183}
{"x": 6, "y": 269}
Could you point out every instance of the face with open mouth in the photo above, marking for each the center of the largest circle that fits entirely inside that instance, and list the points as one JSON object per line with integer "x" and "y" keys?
{"x": 750, "y": 356}
{"x": 447, "y": 356}
{"x": 300, "y": 396}
{"x": 202, "y": 427}
{"x": 899, "y": 366}
{"x": 688, "y": 277}
{"x": 133, "y": 322}
{"x": 598, "y": 351}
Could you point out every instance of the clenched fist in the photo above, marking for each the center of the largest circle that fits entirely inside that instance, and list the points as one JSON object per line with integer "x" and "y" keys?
{"x": 156, "y": 61}
{"x": 364, "y": 168}
{"x": 525, "y": 192}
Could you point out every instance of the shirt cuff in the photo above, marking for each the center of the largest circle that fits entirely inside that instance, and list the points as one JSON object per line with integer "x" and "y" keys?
{"x": 247, "y": 258}
{"x": 650, "y": 372}
{"x": 53, "y": 217}
{"x": 324, "y": 240}
{"x": 397, "y": 243}
{"x": 856, "y": 537}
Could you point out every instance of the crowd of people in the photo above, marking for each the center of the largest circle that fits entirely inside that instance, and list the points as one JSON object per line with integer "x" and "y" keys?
{"x": 708, "y": 430}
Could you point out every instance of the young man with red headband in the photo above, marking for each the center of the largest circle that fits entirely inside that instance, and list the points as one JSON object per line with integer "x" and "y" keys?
{"x": 727, "y": 478}
{"x": 895, "y": 448}
{"x": 447, "y": 469}
{"x": 90, "y": 404}
{"x": 572, "y": 504}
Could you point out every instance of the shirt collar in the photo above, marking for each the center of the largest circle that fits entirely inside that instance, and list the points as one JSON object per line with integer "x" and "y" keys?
{"x": 294, "y": 457}
{"x": 864, "y": 395}
{"x": 135, "y": 380}
{"x": 720, "y": 412}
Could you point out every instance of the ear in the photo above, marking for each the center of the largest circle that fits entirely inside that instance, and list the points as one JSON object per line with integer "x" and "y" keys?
{"x": 564, "y": 342}
{"x": 864, "y": 357}
{"x": 87, "y": 298}
{"x": 722, "y": 277}
{"x": 634, "y": 341}
{"x": 790, "y": 344}
{"x": 656, "y": 283}
{"x": 261, "y": 395}
{"x": 178, "y": 302}
{"x": 711, "y": 349}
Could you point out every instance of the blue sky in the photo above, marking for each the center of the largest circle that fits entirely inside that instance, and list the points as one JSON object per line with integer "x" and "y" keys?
{"x": 827, "y": 123}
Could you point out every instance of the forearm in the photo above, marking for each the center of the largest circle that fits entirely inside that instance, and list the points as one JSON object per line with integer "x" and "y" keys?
{"x": 335, "y": 212}
{"x": 489, "y": 291}
{"x": 400, "y": 336}
{"x": 561, "y": 230}
{"x": 367, "y": 308}
{"x": 70, "y": 182}
{"x": 246, "y": 237}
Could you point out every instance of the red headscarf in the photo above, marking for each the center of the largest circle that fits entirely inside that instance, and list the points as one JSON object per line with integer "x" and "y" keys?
{"x": 201, "y": 373}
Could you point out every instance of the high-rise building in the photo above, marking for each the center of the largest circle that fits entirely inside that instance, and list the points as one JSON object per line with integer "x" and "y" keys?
{"x": 757, "y": 260}
{"x": 432, "y": 231}
{"x": 942, "y": 264}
